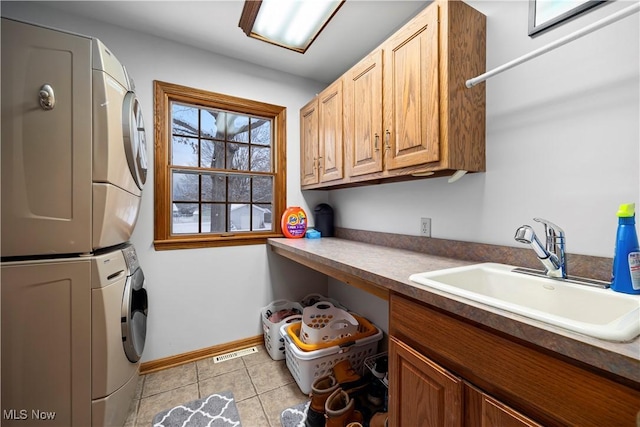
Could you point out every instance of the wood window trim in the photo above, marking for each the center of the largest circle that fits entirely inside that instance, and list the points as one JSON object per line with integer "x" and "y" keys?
{"x": 164, "y": 94}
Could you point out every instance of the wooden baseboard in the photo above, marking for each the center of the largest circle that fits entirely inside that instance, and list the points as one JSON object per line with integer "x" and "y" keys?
{"x": 192, "y": 356}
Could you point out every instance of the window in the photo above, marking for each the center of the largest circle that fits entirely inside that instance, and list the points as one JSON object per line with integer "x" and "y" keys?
{"x": 220, "y": 174}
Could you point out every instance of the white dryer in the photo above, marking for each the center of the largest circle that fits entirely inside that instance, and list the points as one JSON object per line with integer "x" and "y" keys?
{"x": 73, "y": 144}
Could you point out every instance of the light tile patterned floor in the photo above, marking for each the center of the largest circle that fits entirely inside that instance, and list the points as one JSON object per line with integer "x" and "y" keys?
{"x": 262, "y": 388}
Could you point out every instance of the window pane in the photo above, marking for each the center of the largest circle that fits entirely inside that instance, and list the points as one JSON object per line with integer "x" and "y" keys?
{"x": 237, "y": 157}
{"x": 209, "y": 120}
{"x": 184, "y": 119}
{"x": 211, "y": 154}
{"x": 184, "y": 151}
{"x": 240, "y": 126}
{"x": 267, "y": 221}
{"x": 262, "y": 189}
{"x": 240, "y": 215}
{"x": 260, "y": 131}
{"x": 214, "y": 218}
{"x": 260, "y": 159}
{"x": 185, "y": 187}
{"x": 214, "y": 188}
{"x": 239, "y": 188}
{"x": 185, "y": 218}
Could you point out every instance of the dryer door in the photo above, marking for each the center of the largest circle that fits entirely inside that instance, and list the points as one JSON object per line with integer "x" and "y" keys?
{"x": 135, "y": 145}
{"x": 134, "y": 316}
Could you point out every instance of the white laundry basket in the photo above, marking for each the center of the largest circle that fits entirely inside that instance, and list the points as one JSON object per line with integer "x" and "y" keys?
{"x": 323, "y": 323}
{"x": 307, "y": 366}
{"x": 273, "y": 342}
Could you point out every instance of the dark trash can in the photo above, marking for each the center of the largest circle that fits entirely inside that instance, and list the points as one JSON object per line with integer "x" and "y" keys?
{"x": 323, "y": 215}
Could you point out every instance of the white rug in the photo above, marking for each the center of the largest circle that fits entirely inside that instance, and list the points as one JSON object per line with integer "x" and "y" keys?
{"x": 217, "y": 410}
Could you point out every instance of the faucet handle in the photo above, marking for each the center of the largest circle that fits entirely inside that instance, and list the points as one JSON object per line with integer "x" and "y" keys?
{"x": 551, "y": 230}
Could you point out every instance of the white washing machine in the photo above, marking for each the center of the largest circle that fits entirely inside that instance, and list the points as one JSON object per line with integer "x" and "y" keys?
{"x": 73, "y": 331}
{"x": 73, "y": 144}
{"x": 118, "y": 327}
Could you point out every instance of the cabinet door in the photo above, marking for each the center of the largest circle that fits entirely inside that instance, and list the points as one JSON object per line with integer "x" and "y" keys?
{"x": 363, "y": 116}
{"x": 309, "y": 143}
{"x": 411, "y": 93}
{"x": 330, "y": 133}
{"x": 482, "y": 410}
{"x": 46, "y": 151}
{"x": 46, "y": 343}
{"x": 421, "y": 393}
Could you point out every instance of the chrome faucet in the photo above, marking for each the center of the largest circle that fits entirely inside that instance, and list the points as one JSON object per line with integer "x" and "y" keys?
{"x": 552, "y": 255}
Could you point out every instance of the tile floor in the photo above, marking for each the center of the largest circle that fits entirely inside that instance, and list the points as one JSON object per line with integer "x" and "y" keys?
{"x": 262, "y": 388}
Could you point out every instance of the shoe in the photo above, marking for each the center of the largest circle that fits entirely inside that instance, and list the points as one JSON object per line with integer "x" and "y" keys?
{"x": 321, "y": 389}
{"x": 381, "y": 367}
{"x": 375, "y": 393}
{"x": 379, "y": 419}
{"x": 340, "y": 410}
{"x": 350, "y": 381}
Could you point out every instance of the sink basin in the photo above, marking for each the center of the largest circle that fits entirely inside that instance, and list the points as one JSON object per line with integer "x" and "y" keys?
{"x": 599, "y": 313}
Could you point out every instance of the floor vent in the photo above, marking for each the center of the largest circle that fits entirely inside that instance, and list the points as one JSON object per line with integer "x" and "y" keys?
{"x": 234, "y": 354}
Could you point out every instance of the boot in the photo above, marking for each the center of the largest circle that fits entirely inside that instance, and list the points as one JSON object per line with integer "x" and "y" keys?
{"x": 340, "y": 410}
{"x": 379, "y": 419}
{"x": 321, "y": 389}
{"x": 349, "y": 380}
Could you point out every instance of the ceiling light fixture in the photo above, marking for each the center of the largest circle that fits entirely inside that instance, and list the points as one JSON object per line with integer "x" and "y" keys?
{"x": 292, "y": 24}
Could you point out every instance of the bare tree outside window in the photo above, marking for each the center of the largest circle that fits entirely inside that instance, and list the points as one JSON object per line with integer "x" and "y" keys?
{"x": 221, "y": 164}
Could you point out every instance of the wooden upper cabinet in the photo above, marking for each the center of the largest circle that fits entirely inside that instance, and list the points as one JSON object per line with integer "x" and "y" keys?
{"x": 411, "y": 94}
{"x": 309, "y": 143}
{"x": 330, "y": 141}
{"x": 407, "y": 112}
{"x": 321, "y": 138}
{"x": 363, "y": 136}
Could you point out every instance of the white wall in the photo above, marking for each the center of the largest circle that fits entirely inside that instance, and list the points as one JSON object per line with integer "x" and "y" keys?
{"x": 202, "y": 297}
{"x": 562, "y": 142}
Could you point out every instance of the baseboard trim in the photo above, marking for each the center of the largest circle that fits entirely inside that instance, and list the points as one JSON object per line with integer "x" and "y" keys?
{"x": 192, "y": 356}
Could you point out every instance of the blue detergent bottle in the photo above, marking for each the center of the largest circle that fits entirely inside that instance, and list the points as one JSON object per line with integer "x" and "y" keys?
{"x": 626, "y": 261}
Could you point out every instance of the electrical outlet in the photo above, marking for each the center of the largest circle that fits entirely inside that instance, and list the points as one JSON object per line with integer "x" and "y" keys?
{"x": 425, "y": 227}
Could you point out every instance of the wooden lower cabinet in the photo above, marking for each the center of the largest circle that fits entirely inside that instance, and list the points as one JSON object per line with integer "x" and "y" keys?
{"x": 424, "y": 394}
{"x": 435, "y": 356}
{"x": 421, "y": 393}
{"x": 482, "y": 410}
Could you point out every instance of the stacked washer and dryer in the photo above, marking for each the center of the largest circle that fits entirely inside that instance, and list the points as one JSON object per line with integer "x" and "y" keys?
{"x": 74, "y": 306}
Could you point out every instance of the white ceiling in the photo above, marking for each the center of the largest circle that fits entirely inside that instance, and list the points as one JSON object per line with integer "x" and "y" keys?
{"x": 357, "y": 28}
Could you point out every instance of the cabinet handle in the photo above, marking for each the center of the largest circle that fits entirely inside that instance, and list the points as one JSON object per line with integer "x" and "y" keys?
{"x": 319, "y": 163}
{"x": 46, "y": 97}
{"x": 387, "y": 147}
{"x": 375, "y": 141}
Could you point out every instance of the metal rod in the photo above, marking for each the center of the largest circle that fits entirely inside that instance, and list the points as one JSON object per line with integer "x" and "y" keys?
{"x": 560, "y": 42}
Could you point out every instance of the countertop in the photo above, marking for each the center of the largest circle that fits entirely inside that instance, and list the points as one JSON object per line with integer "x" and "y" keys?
{"x": 388, "y": 269}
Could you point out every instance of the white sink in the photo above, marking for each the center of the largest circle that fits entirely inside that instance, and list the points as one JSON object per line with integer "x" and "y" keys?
{"x": 599, "y": 313}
